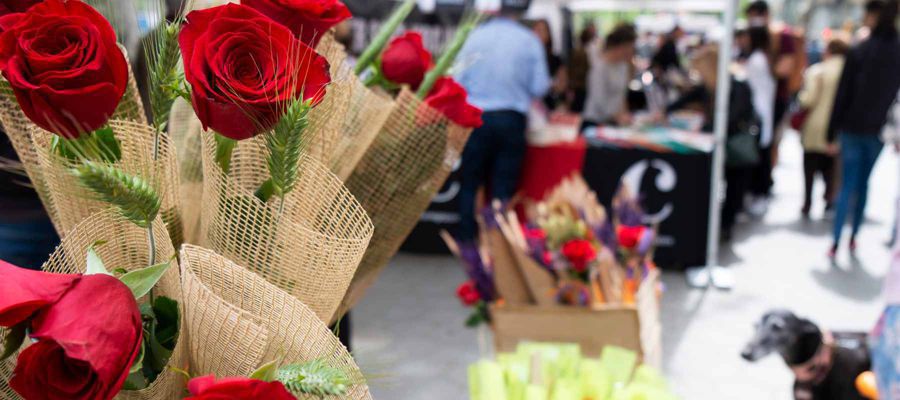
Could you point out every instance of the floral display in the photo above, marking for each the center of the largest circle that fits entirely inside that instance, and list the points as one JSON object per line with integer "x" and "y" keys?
{"x": 261, "y": 94}
{"x": 63, "y": 63}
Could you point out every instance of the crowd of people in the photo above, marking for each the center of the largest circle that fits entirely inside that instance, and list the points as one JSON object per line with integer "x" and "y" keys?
{"x": 840, "y": 104}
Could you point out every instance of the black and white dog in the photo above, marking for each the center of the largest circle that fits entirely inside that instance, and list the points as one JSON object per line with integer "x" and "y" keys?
{"x": 824, "y": 364}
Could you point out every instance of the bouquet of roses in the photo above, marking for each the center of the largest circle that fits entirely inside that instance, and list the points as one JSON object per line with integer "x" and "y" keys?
{"x": 416, "y": 148}
{"x": 110, "y": 181}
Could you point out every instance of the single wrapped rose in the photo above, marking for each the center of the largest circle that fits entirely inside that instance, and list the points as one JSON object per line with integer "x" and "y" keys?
{"x": 307, "y": 19}
{"x": 16, "y": 6}
{"x": 451, "y": 99}
{"x": 580, "y": 254}
{"x": 87, "y": 331}
{"x": 244, "y": 69}
{"x": 208, "y": 388}
{"x": 62, "y": 61}
{"x": 405, "y": 60}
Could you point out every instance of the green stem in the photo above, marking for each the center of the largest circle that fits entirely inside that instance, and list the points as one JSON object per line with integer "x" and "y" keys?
{"x": 371, "y": 53}
{"x": 265, "y": 191}
{"x": 151, "y": 245}
{"x": 448, "y": 58}
{"x": 224, "y": 149}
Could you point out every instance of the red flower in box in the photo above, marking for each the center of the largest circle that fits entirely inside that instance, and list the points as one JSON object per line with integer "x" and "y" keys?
{"x": 64, "y": 65}
{"x": 580, "y": 253}
{"x": 534, "y": 234}
{"x": 468, "y": 293}
{"x": 243, "y": 68}
{"x": 307, "y": 19}
{"x": 208, "y": 388}
{"x": 77, "y": 355}
{"x": 630, "y": 236}
{"x": 451, "y": 99}
{"x": 405, "y": 60}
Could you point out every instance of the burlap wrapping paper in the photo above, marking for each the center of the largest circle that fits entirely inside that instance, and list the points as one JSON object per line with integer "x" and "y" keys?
{"x": 368, "y": 111}
{"x": 310, "y": 248}
{"x": 19, "y": 128}
{"x": 74, "y": 203}
{"x": 237, "y": 322}
{"x": 126, "y": 247}
{"x": 397, "y": 178}
{"x": 184, "y": 130}
{"x": 326, "y": 120}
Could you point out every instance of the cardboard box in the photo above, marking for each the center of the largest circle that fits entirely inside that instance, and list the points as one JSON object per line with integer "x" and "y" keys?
{"x": 635, "y": 327}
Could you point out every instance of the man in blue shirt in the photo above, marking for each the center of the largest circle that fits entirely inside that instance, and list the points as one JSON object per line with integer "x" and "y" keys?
{"x": 506, "y": 70}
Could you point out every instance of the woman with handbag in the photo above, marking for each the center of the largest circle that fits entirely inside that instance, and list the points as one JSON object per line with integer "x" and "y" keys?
{"x": 816, "y": 102}
{"x": 742, "y": 154}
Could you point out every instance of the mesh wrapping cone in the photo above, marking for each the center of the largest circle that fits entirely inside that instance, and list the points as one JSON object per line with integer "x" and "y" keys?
{"x": 326, "y": 120}
{"x": 237, "y": 322}
{"x": 366, "y": 115}
{"x": 19, "y": 130}
{"x": 74, "y": 203}
{"x": 397, "y": 178}
{"x": 311, "y": 249}
{"x": 185, "y": 129}
{"x": 125, "y": 247}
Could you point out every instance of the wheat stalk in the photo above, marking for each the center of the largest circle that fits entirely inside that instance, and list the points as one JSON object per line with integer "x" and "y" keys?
{"x": 313, "y": 378}
{"x": 133, "y": 196}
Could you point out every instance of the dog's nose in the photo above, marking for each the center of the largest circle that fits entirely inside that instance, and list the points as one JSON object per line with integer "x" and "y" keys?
{"x": 747, "y": 354}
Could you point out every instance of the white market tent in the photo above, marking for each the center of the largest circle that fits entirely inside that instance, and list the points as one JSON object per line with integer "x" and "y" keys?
{"x": 711, "y": 273}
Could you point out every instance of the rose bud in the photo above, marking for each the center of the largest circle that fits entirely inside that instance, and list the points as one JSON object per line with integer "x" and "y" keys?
{"x": 307, "y": 19}
{"x": 450, "y": 99}
{"x": 406, "y": 61}
{"x": 208, "y": 388}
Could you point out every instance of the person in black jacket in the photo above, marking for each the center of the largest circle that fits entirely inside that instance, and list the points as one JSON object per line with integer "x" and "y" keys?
{"x": 868, "y": 89}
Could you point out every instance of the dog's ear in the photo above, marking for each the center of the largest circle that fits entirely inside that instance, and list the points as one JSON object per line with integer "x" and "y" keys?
{"x": 809, "y": 339}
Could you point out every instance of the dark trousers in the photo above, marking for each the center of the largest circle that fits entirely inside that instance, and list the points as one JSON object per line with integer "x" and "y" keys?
{"x": 761, "y": 180}
{"x": 492, "y": 155}
{"x": 737, "y": 181}
{"x": 818, "y": 164}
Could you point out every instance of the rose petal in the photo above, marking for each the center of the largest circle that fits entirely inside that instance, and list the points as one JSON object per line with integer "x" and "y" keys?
{"x": 26, "y": 292}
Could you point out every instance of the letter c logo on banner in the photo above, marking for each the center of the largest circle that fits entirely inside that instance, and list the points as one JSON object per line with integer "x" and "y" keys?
{"x": 665, "y": 182}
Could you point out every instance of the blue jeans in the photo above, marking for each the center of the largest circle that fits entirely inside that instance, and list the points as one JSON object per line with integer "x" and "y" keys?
{"x": 858, "y": 156}
{"x": 27, "y": 244}
{"x": 493, "y": 153}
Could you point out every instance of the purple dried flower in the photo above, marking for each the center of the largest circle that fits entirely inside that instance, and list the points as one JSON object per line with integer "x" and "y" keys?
{"x": 477, "y": 271}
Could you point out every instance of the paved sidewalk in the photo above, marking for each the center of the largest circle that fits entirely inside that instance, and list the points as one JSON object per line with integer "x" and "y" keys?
{"x": 410, "y": 338}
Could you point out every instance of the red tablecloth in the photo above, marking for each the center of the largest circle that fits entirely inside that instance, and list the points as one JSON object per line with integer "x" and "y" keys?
{"x": 546, "y": 166}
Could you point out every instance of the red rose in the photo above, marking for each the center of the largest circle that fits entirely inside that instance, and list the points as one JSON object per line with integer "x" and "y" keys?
{"x": 308, "y": 19}
{"x": 450, "y": 99}
{"x": 468, "y": 294}
{"x": 244, "y": 69}
{"x": 580, "y": 253}
{"x": 87, "y": 331}
{"x": 63, "y": 63}
{"x": 16, "y": 6}
{"x": 405, "y": 60}
{"x": 630, "y": 236}
{"x": 208, "y": 388}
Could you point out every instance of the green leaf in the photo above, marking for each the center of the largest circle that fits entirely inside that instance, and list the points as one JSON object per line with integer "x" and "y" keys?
{"x": 266, "y": 373}
{"x": 135, "y": 381}
{"x": 139, "y": 362}
{"x": 167, "y": 318}
{"x": 94, "y": 263}
{"x": 100, "y": 145}
{"x": 141, "y": 281}
{"x": 14, "y": 339}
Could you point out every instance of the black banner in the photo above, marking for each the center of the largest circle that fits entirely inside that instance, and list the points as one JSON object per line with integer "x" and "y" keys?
{"x": 674, "y": 191}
